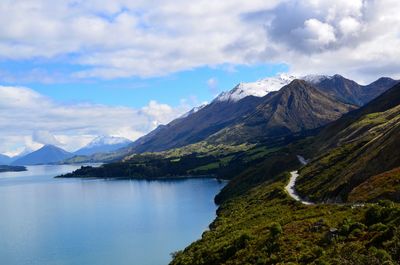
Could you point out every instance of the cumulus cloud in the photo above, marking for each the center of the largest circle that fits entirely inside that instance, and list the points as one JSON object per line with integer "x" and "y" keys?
{"x": 32, "y": 119}
{"x": 355, "y": 38}
{"x": 125, "y": 38}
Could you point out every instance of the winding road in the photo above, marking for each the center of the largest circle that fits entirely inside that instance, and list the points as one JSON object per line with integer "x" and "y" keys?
{"x": 290, "y": 188}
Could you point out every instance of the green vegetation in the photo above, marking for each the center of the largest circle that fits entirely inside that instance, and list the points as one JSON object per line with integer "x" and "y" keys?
{"x": 385, "y": 185}
{"x": 265, "y": 226}
{"x": 222, "y": 161}
{"x": 365, "y": 148}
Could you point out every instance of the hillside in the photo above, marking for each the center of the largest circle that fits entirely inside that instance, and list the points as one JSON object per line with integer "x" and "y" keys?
{"x": 353, "y": 149}
{"x": 265, "y": 226}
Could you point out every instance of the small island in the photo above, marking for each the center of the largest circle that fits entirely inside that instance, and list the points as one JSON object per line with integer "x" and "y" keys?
{"x": 5, "y": 168}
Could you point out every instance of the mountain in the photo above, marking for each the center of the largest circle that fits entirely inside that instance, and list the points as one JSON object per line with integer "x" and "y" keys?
{"x": 197, "y": 126}
{"x": 103, "y": 144}
{"x": 348, "y": 90}
{"x": 5, "y": 160}
{"x": 358, "y": 155}
{"x": 296, "y": 107}
{"x": 200, "y": 123}
{"x": 46, "y": 155}
{"x": 226, "y": 110}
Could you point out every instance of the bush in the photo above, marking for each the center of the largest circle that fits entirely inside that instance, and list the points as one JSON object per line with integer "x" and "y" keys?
{"x": 275, "y": 230}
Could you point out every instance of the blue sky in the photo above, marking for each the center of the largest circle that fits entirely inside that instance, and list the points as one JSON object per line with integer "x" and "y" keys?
{"x": 72, "y": 70}
{"x": 195, "y": 85}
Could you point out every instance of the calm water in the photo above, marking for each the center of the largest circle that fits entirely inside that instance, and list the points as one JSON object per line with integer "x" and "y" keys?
{"x": 71, "y": 221}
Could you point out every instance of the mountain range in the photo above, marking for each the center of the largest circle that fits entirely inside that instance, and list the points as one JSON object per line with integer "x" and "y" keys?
{"x": 245, "y": 115}
{"x": 265, "y": 110}
{"x": 50, "y": 154}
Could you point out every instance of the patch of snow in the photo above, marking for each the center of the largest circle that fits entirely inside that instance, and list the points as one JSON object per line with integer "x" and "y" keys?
{"x": 315, "y": 79}
{"x": 259, "y": 88}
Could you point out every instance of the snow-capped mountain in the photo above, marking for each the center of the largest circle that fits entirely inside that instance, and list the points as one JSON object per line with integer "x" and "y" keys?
{"x": 103, "y": 144}
{"x": 259, "y": 88}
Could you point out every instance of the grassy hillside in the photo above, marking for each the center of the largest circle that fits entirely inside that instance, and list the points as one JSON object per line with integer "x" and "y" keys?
{"x": 222, "y": 161}
{"x": 265, "y": 226}
{"x": 384, "y": 185}
{"x": 367, "y": 147}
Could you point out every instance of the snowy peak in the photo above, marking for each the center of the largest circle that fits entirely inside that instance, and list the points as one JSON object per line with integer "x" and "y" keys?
{"x": 103, "y": 144}
{"x": 107, "y": 140}
{"x": 259, "y": 88}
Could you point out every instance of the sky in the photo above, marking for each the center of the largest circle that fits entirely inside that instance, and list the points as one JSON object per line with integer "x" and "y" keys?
{"x": 71, "y": 70}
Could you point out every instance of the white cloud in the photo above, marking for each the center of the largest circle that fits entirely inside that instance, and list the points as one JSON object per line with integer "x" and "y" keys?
{"x": 354, "y": 38}
{"x": 124, "y": 38}
{"x": 32, "y": 119}
{"x": 45, "y": 137}
{"x": 315, "y": 35}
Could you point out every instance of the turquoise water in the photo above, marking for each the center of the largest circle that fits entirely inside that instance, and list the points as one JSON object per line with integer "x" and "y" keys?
{"x": 107, "y": 222}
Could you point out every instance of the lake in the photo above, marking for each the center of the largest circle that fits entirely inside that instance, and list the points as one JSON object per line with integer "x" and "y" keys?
{"x": 51, "y": 221}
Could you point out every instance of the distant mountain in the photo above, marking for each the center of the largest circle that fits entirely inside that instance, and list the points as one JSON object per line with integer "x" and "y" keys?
{"x": 5, "y": 160}
{"x": 46, "y": 155}
{"x": 103, "y": 144}
{"x": 296, "y": 107}
{"x": 348, "y": 90}
{"x": 357, "y": 155}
